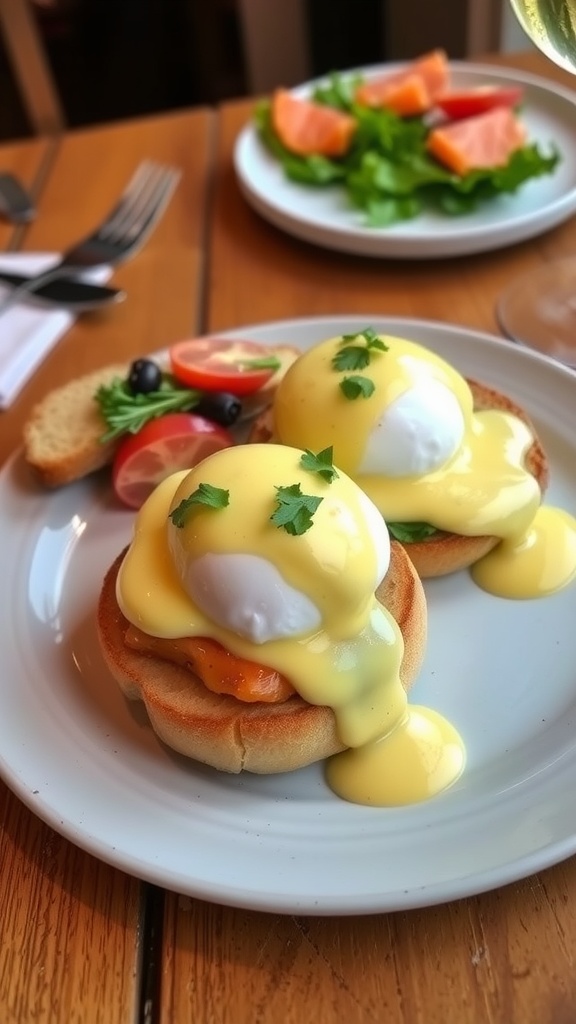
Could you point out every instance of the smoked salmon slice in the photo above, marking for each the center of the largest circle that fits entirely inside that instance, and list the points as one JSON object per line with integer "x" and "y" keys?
{"x": 219, "y": 669}
{"x": 411, "y": 91}
{"x": 485, "y": 141}
{"x": 308, "y": 128}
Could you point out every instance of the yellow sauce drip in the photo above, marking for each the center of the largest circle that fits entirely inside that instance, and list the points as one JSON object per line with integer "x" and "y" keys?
{"x": 420, "y": 758}
{"x": 538, "y": 563}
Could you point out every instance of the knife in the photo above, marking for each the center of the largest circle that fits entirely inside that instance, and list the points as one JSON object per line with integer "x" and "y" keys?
{"x": 67, "y": 292}
{"x": 15, "y": 203}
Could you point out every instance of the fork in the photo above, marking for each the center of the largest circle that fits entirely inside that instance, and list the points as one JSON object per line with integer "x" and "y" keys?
{"x": 124, "y": 230}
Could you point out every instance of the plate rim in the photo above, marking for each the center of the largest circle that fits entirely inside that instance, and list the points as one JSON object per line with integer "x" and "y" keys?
{"x": 426, "y": 895}
{"x": 380, "y": 243}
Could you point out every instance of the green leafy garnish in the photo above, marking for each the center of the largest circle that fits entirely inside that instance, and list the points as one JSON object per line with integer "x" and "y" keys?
{"x": 355, "y": 356}
{"x": 320, "y": 463}
{"x": 205, "y": 495}
{"x": 387, "y": 172}
{"x": 295, "y": 510}
{"x": 260, "y": 363}
{"x": 126, "y": 413}
{"x": 410, "y": 533}
{"x": 372, "y": 339}
{"x": 357, "y": 386}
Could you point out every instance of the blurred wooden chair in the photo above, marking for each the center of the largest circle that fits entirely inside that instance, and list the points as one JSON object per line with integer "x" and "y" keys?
{"x": 27, "y": 55}
{"x": 277, "y": 44}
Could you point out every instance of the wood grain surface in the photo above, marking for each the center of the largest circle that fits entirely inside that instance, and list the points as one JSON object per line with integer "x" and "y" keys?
{"x": 72, "y": 928}
{"x": 76, "y": 943}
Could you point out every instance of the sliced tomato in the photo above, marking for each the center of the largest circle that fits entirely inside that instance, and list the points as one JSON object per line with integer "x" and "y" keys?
{"x": 212, "y": 364}
{"x": 469, "y": 102}
{"x": 176, "y": 441}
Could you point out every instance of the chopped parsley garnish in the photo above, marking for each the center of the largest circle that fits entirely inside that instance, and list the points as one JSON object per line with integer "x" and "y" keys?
{"x": 357, "y": 386}
{"x": 205, "y": 495}
{"x": 294, "y": 510}
{"x": 320, "y": 463}
{"x": 357, "y": 356}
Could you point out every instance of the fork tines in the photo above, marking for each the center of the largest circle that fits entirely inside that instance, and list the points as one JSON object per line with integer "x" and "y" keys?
{"x": 142, "y": 202}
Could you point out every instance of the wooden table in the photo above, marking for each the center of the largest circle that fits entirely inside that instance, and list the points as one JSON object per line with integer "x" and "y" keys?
{"x": 83, "y": 942}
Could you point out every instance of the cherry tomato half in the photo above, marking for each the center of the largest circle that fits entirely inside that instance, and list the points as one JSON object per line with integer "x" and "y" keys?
{"x": 212, "y": 364}
{"x": 468, "y": 102}
{"x": 176, "y": 441}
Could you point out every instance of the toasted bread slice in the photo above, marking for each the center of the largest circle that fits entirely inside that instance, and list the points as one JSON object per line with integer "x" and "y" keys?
{"x": 444, "y": 553}
{"x": 227, "y": 733}
{"x": 62, "y": 437}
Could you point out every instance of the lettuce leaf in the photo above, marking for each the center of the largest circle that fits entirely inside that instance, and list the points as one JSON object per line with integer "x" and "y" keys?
{"x": 387, "y": 173}
{"x": 410, "y": 533}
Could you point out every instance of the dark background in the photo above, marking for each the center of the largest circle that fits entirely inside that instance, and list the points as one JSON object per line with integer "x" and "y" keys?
{"x": 113, "y": 59}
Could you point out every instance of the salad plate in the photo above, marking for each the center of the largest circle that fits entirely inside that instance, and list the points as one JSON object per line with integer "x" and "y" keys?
{"x": 324, "y": 216}
{"x": 86, "y": 761}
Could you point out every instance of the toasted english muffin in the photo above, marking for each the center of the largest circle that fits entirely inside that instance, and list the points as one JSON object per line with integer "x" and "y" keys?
{"x": 227, "y": 733}
{"x": 444, "y": 553}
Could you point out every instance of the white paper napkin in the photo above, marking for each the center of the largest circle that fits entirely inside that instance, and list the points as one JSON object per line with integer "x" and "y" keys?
{"x": 27, "y": 332}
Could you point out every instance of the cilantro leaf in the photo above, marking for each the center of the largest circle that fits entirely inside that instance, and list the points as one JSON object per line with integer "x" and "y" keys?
{"x": 357, "y": 386}
{"x": 295, "y": 510}
{"x": 357, "y": 357}
{"x": 320, "y": 463}
{"x": 410, "y": 533}
{"x": 353, "y": 357}
{"x": 370, "y": 337}
{"x": 205, "y": 495}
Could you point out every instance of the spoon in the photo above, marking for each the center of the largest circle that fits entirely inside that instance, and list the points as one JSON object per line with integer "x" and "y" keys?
{"x": 67, "y": 293}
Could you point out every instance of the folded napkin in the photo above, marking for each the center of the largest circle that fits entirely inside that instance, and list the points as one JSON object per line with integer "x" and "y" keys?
{"x": 28, "y": 332}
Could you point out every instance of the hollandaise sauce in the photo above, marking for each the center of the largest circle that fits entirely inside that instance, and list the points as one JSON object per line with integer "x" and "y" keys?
{"x": 479, "y": 485}
{"x": 422, "y": 756}
{"x": 540, "y": 561}
{"x": 185, "y": 582}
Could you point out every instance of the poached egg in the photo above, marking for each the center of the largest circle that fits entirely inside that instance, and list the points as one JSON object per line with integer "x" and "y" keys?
{"x": 299, "y": 599}
{"x": 401, "y": 422}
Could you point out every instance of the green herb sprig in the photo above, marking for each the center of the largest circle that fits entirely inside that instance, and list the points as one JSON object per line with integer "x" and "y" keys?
{"x": 260, "y": 363}
{"x": 126, "y": 413}
{"x": 205, "y": 496}
{"x": 357, "y": 386}
{"x": 354, "y": 356}
{"x": 294, "y": 510}
{"x": 321, "y": 463}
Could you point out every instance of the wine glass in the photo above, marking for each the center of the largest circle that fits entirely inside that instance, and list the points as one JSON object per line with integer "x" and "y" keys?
{"x": 539, "y": 309}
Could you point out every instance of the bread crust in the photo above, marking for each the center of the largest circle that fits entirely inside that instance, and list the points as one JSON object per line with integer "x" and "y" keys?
{"x": 229, "y": 734}
{"x": 444, "y": 553}
{"x": 62, "y": 436}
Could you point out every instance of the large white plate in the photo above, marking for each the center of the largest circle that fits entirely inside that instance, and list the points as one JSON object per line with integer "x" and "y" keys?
{"x": 86, "y": 761}
{"x": 323, "y": 216}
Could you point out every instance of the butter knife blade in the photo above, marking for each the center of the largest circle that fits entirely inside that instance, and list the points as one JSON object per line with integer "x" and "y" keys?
{"x": 68, "y": 292}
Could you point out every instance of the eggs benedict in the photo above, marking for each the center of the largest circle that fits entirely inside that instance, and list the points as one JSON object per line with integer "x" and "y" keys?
{"x": 266, "y": 621}
{"x": 455, "y": 468}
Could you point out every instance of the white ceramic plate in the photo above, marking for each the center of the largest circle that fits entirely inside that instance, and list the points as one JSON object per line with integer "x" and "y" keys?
{"x": 323, "y": 216}
{"x": 86, "y": 761}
